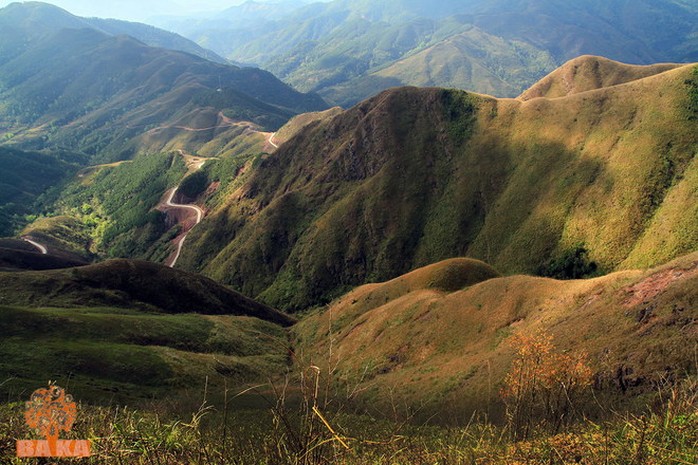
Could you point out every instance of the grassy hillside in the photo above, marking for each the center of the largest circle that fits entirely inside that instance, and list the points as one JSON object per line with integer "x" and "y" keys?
{"x": 16, "y": 255}
{"x": 107, "y": 355}
{"x": 126, "y": 436}
{"x": 39, "y": 19}
{"x": 108, "y": 209}
{"x": 472, "y": 60}
{"x": 601, "y": 180}
{"x": 126, "y": 330}
{"x": 130, "y": 284}
{"x": 297, "y": 123}
{"x": 590, "y": 73}
{"x": 449, "y": 348}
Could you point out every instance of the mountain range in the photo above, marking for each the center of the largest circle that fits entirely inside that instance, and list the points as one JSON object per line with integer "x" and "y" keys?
{"x": 78, "y": 88}
{"x": 26, "y": 22}
{"x": 604, "y": 174}
{"x": 391, "y": 253}
{"x": 350, "y": 50}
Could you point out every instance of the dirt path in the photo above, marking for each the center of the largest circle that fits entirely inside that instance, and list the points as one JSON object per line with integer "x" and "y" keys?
{"x": 225, "y": 123}
{"x": 187, "y": 215}
{"x": 41, "y": 248}
{"x": 271, "y": 140}
{"x": 187, "y": 211}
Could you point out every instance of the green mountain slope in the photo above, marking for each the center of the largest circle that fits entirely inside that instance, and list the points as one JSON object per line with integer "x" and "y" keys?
{"x": 131, "y": 284}
{"x": 113, "y": 96}
{"x": 350, "y": 50}
{"x": 23, "y": 177}
{"x": 112, "y": 355}
{"x": 37, "y": 19}
{"x": 469, "y": 60}
{"x": 415, "y": 176}
{"x": 127, "y": 330}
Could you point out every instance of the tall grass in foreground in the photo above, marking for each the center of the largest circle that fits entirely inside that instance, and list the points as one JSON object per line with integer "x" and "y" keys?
{"x": 303, "y": 434}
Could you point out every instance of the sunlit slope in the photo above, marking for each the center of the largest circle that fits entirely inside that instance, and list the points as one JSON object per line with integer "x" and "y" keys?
{"x": 470, "y": 60}
{"x": 449, "y": 350}
{"x": 590, "y": 73}
{"x": 415, "y": 176}
{"x": 36, "y": 19}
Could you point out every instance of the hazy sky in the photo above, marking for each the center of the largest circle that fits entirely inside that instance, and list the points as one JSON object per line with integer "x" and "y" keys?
{"x": 137, "y": 10}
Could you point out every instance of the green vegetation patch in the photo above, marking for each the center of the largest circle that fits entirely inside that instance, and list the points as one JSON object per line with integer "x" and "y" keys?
{"x": 461, "y": 110}
{"x": 116, "y": 203}
{"x": 573, "y": 263}
{"x": 96, "y": 349}
{"x": 23, "y": 177}
{"x": 692, "y": 85}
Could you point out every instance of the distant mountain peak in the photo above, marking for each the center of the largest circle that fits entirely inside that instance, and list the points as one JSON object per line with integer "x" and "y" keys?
{"x": 38, "y": 19}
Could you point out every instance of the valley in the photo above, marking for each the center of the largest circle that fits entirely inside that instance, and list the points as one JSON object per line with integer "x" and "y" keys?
{"x": 417, "y": 233}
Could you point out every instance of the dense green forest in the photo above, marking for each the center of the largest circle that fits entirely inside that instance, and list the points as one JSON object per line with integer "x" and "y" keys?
{"x": 115, "y": 203}
{"x": 23, "y": 177}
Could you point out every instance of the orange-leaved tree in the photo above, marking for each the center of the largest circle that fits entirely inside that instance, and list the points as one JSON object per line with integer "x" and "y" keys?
{"x": 543, "y": 385}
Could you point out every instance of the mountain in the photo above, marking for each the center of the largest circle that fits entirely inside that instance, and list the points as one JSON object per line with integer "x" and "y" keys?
{"x": 350, "y": 50}
{"x": 469, "y": 60}
{"x": 37, "y": 19}
{"x": 445, "y": 334}
{"x": 587, "y": 183}
{"x": 113, "y": 96}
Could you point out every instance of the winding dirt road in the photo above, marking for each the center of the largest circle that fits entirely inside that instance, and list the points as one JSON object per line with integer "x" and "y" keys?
{"x": 225, "y": 123}
{"x": 271, "y": 140}
{"x": 187, "y": 215}
{"x": 41, "y": 248}
{"x": 187, "y": 210}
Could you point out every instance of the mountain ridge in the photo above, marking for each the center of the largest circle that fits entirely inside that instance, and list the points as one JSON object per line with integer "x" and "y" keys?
{"x": 344, "y": 50}
{"x": 46, "y": 19}
{"x": 86, "y": 91}
{"x": 131, "y": 284}
{"x": 590, "y": 72}
{"x": 427, "y": 174}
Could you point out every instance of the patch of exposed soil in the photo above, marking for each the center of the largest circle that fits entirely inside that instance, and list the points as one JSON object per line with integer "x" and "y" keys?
{"x": 655, "y": 284}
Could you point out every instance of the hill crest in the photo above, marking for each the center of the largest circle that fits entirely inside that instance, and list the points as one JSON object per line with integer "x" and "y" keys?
{"x": 129, "y": 284}
{"x": 590, "y": 72}
{"x": 449, "y": 352}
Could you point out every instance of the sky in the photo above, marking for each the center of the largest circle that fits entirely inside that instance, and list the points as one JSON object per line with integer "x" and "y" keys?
{"x": 138, "y": 10}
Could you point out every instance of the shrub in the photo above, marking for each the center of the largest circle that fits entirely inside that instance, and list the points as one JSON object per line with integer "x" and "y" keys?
{"x": 543, "y": 385}
{"x": 571, "y": 264}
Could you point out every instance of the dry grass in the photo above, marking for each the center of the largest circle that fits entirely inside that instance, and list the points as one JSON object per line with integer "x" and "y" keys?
{"x": 207, "y": 433}
{"x": 448, "y": 352}
{"x": 415, "y": 176}
{"x": 590, "y": 73}
{"x": 301, "y": 121}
